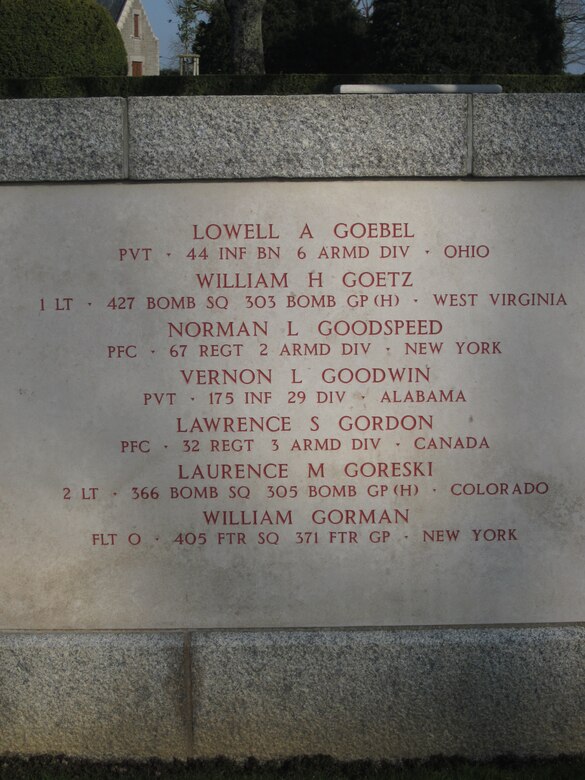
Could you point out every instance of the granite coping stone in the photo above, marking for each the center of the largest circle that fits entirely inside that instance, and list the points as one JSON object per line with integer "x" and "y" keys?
{"x": 348, "y": 693}
{"x": 318, "y": 136}
{"x": 314, "y": 136}
{"x": 529, "y": 135}
{"x": 77, "y": 139}
{"x": 390, "y": 694}
{"x": 95, "y": 695}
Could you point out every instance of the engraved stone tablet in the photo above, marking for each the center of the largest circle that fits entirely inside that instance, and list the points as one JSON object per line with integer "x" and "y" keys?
{"x": 292, "y": 404}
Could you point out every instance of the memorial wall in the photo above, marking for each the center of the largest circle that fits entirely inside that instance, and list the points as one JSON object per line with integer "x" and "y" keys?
{"x": 292, "y": 393}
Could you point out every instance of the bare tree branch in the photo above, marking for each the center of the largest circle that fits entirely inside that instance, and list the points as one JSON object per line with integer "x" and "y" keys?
{"x": 365, "y": 7}
{"x": 572, "y": 12}
{"x": 189, "y": 13}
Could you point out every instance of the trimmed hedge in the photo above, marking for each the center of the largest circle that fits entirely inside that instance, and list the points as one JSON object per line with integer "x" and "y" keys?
{"x": 291, "y": 84}
{"x": 61, "y": 38}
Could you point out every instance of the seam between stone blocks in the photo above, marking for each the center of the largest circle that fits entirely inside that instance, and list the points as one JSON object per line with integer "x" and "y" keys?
{"x": 469, "y": 155}
{"x": 125, "y": 141}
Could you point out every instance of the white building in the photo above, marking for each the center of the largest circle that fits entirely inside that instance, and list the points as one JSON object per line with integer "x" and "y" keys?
{"x": 142, "y": 46}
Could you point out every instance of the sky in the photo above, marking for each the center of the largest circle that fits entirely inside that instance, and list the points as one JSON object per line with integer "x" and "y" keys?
{"x": 159, "y": 14}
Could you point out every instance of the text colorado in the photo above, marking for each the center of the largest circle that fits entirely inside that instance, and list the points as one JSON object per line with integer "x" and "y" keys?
{"x": 499, "y": 488}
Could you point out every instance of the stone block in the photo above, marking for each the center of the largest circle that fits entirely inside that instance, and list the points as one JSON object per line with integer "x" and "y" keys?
{"x": 529, "y": 135}
{"x": 317, "y": 136}
{"x": 62, "y": 140}
{"x": 393, "y": 694}
{"x": 95, "y": 695}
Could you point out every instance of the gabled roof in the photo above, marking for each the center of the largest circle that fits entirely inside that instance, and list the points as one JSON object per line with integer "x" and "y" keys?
{"x": 114, "y": 7}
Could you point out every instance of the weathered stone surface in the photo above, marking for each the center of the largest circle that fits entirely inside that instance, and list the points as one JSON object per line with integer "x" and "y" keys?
{"x": 94, "y": 695}
{"x": 389, "y": 694}
{"x": 529, "y": 135}
{"x": 297, "y": 136}
{"x": 62, "y": 140}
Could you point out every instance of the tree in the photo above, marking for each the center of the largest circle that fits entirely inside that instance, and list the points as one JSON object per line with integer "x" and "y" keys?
{"x": 246, "y": 47}
{"x": 313, "y": 36}
{"x": 474, "y": 36}
{"x": 190, "y": 14}
{"x": 213, "y": 41}
{"x": 59, "y": 38}
{"x": 234, "y": 24}
{"x": 300, "y": 36}
{"x": 572, "y": 13}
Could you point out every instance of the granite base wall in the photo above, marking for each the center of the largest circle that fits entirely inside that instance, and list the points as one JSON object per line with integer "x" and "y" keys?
{"x": 379, "y": 693}
{"x": 319, "y": 136}
{"x": 351, "y": 694}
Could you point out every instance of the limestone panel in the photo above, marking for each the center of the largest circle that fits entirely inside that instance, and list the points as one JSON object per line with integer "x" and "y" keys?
{"x": 285, "y": 404}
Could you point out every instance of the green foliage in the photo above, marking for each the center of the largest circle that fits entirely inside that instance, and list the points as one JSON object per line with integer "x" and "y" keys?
{"x": 498, "y": 36}
{"x": 213, "y": 41}
{"x": 313, "y": 36}
{"x": 300, "y": 36}
{"x": 416, "y": 36}
{"x": 59, "y": 38}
